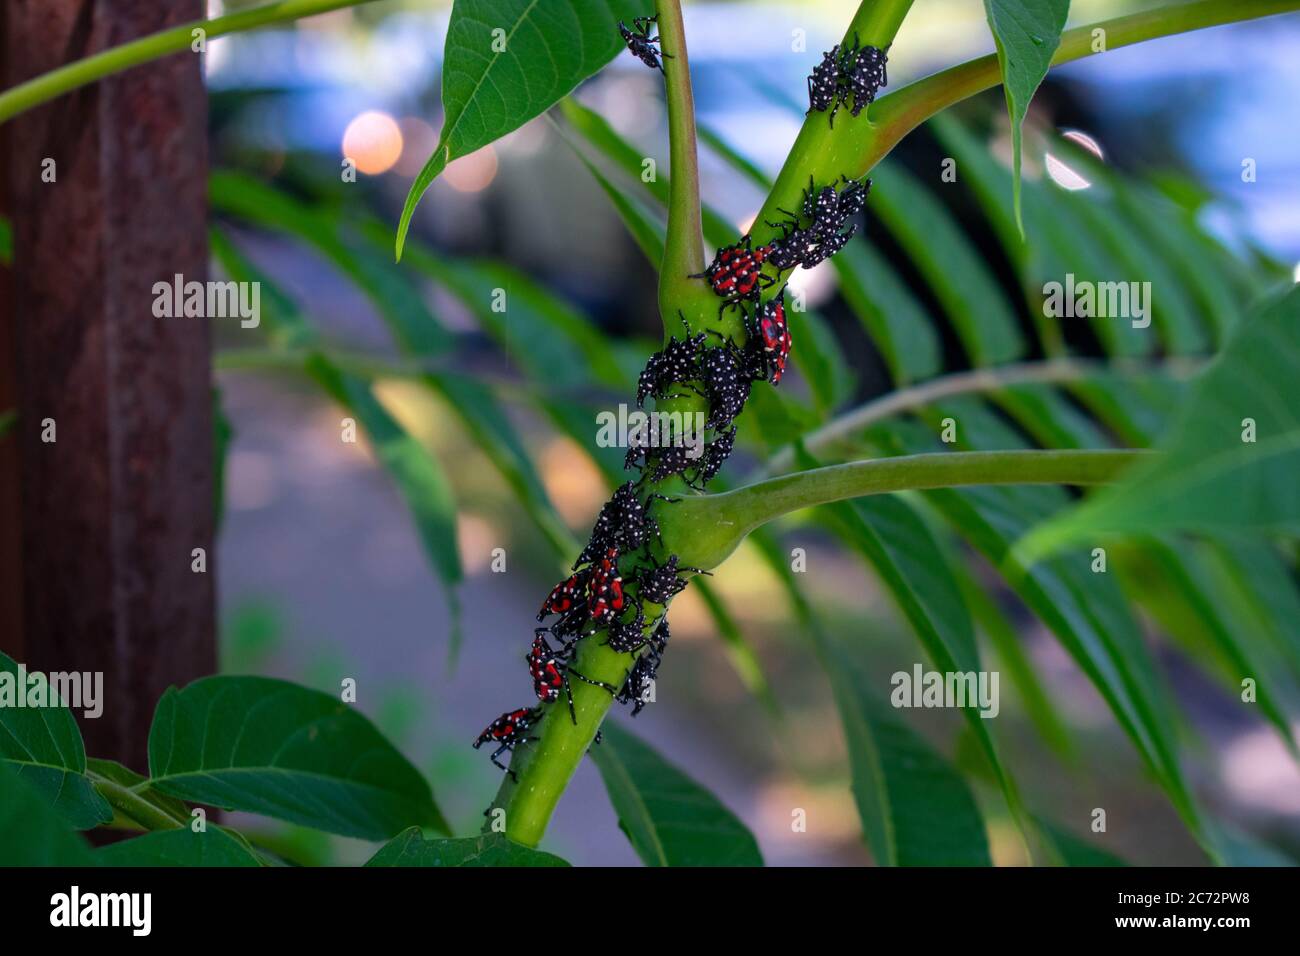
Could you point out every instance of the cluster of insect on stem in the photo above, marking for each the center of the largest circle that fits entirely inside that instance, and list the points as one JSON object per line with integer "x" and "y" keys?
{"x": 594, "y": 599}
{"x": 856, "y": 72}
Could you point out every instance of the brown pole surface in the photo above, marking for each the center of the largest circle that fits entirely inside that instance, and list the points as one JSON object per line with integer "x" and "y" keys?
{"x": 112, "y": 510}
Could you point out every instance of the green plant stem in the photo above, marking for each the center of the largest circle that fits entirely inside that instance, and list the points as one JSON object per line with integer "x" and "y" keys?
{"x": 134, "y": 807}
{"x": 544, "y": 767}
{"x": 48, "y": 86}
{"x": 823, "y": 151}
{"x": 684, "y": 249}
{"x": 706, "y": 529}
{"x": 897, "y": 114}
{"x": 692, "y": 528}
{"x": 1053, "y": 371}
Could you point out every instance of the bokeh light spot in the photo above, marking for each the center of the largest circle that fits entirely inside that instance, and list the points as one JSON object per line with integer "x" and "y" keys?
{"x": 373, "y": 141}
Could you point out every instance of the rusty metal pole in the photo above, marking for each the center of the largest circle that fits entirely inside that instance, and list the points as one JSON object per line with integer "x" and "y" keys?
{"x": 106, "y": 189}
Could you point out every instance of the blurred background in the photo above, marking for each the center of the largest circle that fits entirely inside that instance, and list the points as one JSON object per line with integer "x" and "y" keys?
{"x": 322, "y": 574}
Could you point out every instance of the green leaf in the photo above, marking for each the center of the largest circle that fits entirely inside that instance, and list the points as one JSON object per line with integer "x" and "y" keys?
{"x": 43, "y": 746}
{"x": 1084, "y": 234}
{"x": 1240, "y": 849}
{"x": 508, "y": 61}
{"x": 417, "y": 474}
{"x": 1140, "y": 408}
{"x": 898, "y": 325}
{"x": 1209, "y": 480}
{"x": 915, "y": 809}
{"x": 1134, "y": 407}
{"x": 271, "y": 747}
{"x": 31, "y": 833}
{"x": 669, "y": 818}
{"x": 409, "y": 848}
{"x": 389, "y": 289}
{"x": 1194, "y": 589}
{"x": 1006, "y": 641}
{"x": 951, "y": 265}
{"x": 1075, "y": 850}
{"x": 553, "y": 342}
{"x": 602, "y": 137}
{"x": 894, "y": 540}
{"x": 1162, "y": 230}
{"x": 1027, "y": 33}
{"x": 1077, "y": 230}
{"x": 7, "y": 419}
{"x": 213, "y": 847}
{"x": 650, "y": 233}
{"x": 222, "y": 432}
{"x": 1122, "y": 231}
{"x": 1268, "y": 588}
{"x": 739, "y": 650}
{"x": 1042, "y": 412}
{"x": 1051, "y": 420}
{"x": 820, "y": 361}
{"x": 902, "y": 788}
{"x": 489, "y": 426}
{"x": 1087, "y": 612}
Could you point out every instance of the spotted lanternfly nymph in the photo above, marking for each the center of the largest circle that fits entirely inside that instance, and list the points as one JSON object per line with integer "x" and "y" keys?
{"x": 715, "y": 453}
{"x": 640, "y": 678}
{"x": 769, "y": 329}
{"x": 852, "y": 198}
{"x": 571, "y": 625}
{"x": 736, "y": 272}
{"x": 676, "y": 362}
{"x": 670, "y": 460}
{"x": 659, "y": 639}
{"x": 642, "y": 44}
{"x": 607, "y": 599}
{"x": 637, "y": 687}
{"x": 507, "y": 732}
{"x": 794, "y": 248}
{"x": 722, "y": 371}
{"x": 822, "y": 207}
{"x": 551, "y": 674}
{"x": 864, "y": 72}
{"x": 824, "y": 89}
{"x": 835, "y": 242}
{"x": 623, "y": 523}
{"x": 660, "y": 583}
{"x": 627, "y": 636}
{"x": 566, "y": 595}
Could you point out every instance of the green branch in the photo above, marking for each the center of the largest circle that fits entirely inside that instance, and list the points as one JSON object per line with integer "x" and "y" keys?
{"x": 820, "y": 150}
{"x": 133, "y": 806}
{"x": 706, "y": 529}
{"x": 80, "y": 73}
{"x": 856, "y": 420}
{"x": 703, "y": 531}
{"x": 684, "y": 248}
